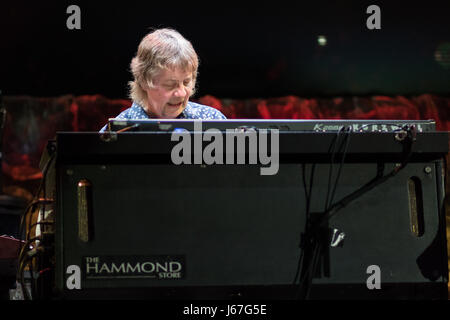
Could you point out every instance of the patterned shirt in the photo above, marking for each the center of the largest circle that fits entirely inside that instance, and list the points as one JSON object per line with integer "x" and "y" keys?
{"x": 192, "y": 111}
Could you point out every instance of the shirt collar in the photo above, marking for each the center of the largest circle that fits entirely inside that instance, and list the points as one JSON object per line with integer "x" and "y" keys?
{"x": 182, "y": 115}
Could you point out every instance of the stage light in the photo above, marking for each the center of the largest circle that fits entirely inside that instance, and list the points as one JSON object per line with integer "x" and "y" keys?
{"x": 322, "y": 40}
{"x": 442, "y": 54}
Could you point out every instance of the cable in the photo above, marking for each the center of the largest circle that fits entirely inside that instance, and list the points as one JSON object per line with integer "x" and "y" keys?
{"x": 312, "y": 244}
{"x": 41, "y": 217}
{"x": 29, "y": 209}
{"x": 308, "y": 193}
{"x": 36, "y": 197}
{"x": 24, "y": 259}
{"x": 312, "y": 240}
{"x": 26, "y": 255}
{"x": 330, "y": 171}
{"x": 346, "y": 141}
{"x": 308, "y": 205}
{"x": 303, "y": 272}
{"x": 374, "y": 182}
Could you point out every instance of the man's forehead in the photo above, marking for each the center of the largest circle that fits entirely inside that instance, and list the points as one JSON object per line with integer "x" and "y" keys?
{"x": 174, "y": 74}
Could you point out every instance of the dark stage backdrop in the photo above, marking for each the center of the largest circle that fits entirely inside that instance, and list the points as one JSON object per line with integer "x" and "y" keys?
{"x": 247, "y": 49}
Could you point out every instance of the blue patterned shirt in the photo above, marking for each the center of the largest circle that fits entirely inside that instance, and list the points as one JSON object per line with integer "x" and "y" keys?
{"x": 192, "y": 111}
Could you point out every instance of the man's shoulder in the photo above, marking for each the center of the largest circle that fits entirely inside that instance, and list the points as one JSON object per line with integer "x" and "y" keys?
{"x": 133, "y": 112}
{"x": 201, "y": 111}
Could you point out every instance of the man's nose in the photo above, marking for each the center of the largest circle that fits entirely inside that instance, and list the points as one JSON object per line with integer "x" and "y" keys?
{"x": 180, "y": 92}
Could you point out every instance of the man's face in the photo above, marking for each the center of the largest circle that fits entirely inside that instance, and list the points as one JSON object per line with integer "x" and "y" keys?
{"x": 170, "y": 93}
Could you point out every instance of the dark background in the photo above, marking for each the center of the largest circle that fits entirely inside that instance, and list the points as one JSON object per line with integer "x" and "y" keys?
{"x": 247, "y": 50}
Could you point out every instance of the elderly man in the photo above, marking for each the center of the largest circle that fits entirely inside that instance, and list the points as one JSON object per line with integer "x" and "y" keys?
{"x": 165, "y": 73}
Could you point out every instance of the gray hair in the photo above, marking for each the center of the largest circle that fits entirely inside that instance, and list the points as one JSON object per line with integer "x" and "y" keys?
{"x": 160, "y": 49}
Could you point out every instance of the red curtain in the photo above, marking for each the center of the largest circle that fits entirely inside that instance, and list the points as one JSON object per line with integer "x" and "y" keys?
{"x": 31, "y": 121}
